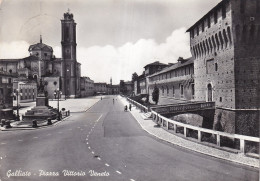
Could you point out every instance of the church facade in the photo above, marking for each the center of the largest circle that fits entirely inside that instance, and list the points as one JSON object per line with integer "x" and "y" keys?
{"x": 57, "y": 73}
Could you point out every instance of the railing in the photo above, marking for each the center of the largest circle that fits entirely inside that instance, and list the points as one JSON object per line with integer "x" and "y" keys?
{"x": 194, "y": 106}
{"x": 165, "y": 123}
{"x": 138, "y": 105}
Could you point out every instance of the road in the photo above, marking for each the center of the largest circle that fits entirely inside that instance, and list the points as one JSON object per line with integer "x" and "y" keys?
{"x": 106, "y": 143}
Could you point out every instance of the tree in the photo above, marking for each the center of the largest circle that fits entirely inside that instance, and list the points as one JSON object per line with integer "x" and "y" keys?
{"x": 134, "y": 77}
{"x": 122, "y": 87}
{"x": 155, "y": 94}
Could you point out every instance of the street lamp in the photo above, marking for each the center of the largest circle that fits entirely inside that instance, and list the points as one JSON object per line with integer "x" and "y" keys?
{"x": 17, "y": 93}
{"x": 58, "y": 93}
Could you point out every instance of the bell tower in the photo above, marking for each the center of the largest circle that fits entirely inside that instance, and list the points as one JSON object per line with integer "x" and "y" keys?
{"x": 69, "y": 74}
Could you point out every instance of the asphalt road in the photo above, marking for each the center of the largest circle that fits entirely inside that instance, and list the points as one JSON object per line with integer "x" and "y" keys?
{"x": 106, "y": 143}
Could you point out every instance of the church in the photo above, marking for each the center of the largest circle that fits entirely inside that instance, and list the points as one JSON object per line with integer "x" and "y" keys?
{"x": 57, "y": 73}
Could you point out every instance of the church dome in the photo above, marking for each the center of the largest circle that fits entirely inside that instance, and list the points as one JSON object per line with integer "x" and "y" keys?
{"x": 40, "y": 46}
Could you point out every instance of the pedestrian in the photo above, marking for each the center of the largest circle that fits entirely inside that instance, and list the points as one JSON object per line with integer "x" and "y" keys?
{"x": 125, "y": 107}
{"x": 101, "y": 98}
{"x": 113, "y": 101}
{"x": 130, "y": 107}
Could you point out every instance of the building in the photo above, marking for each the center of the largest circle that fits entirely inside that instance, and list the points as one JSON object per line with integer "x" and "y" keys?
{"x": 112, "y": 89}
{"x": 175, "y": 82}
{"x": 59, "y": 73}
{"x": 225, "y": 43}
{"x": 150, "y": 69}
{"x": 26, "y": 88}
{"x": 6, "y": 95}
{"x": 86, "y": 87}
{"x": 100, "y": 88}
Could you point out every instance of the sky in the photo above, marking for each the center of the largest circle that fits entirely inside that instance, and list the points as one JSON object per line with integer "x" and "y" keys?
{"x": 115, "y": 38}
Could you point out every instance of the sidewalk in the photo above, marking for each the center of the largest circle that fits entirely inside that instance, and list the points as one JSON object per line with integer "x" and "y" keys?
{"x": 148, "y": 126}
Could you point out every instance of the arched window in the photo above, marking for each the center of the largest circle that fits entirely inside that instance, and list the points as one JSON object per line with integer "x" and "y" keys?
{"x": 167, "y": 90}
{"x": 198, "y": 47}
{"x": 221, "y": 40}
{"x": 229, "y": 35}
{"x": 225, "y": 37}
{"x": 217, "y": 42}
{"x": 173, "y": 91}
{"x": 10, "y": 71}
{"x": 162, "y": 90}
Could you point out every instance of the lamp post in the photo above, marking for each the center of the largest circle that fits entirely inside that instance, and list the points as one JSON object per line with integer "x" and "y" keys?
{"x": 17, "y": 93}
{"x": 57, "y": 93}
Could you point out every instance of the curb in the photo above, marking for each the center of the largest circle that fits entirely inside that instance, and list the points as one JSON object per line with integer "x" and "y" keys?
{"x": 30, "y": 128}
{"x": 183, "y": 146}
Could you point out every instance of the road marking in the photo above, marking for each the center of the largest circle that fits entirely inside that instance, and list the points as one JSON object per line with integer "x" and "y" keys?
{"x": 1, "y": 158}
{"x": 87, "y": 139}
{"x": 89, "y": 147}
{"x": 99, "y": 117}
{"x": 35, "y": 137}
{"x": 93, "y": 152}
{"x": 3, "y": 143}
{"x": 132, "y": 179}
{"x": 118, "y": 172}
{"x": 87, "y": 143}
{"x": 20, "y": 140}
{"x": 107, "y": 165}
{"x": 98, "y": 158}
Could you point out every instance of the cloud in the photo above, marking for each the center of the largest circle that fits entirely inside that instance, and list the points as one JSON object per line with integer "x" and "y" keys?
{"x": 102, "y": 62}
{"x": 15, "y": 49}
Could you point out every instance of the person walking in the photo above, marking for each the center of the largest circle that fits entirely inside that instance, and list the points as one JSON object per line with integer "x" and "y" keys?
{"x": 130, "y": 107}
{"x": 125, "y": 107}
{"x": 113, "y": 101}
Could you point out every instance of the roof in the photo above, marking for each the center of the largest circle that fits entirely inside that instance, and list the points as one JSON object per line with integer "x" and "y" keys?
{"x": 182, "y": 63}
{"x": 155, "y": 63}
{"x": 40, "y": 46}
{"x": 10, "y": 60}
{"x": 213, "y": 9}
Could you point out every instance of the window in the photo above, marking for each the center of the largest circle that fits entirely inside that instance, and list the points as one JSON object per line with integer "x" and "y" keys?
{"x": 215, "y": 16}
{"x": 224, "y": 11}
{"x": 229, "y": 35}
{"x": 173, "y": 91}
{"x": 242, "y": 6}
{"x": 198, "y": 31}
{"x": 167, "y": 90}
{"x": 202, "y": 24}
{"x": 192, "y": 90}
{"x": 182, "y": 91}
{"x": 216, "y": 67}
{"x": 208, "y": 22}
{"x": 192, "y": 33}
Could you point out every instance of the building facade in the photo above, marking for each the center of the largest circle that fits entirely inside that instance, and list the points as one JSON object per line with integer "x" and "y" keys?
{"x": 175, "y": 82}
{"x": 26, "y": 88}
{"x": 100, "y": 88}
{"x": 86, "y": 87}
{"x": 6, "y": 95}
{"x": 226, "y": 45}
